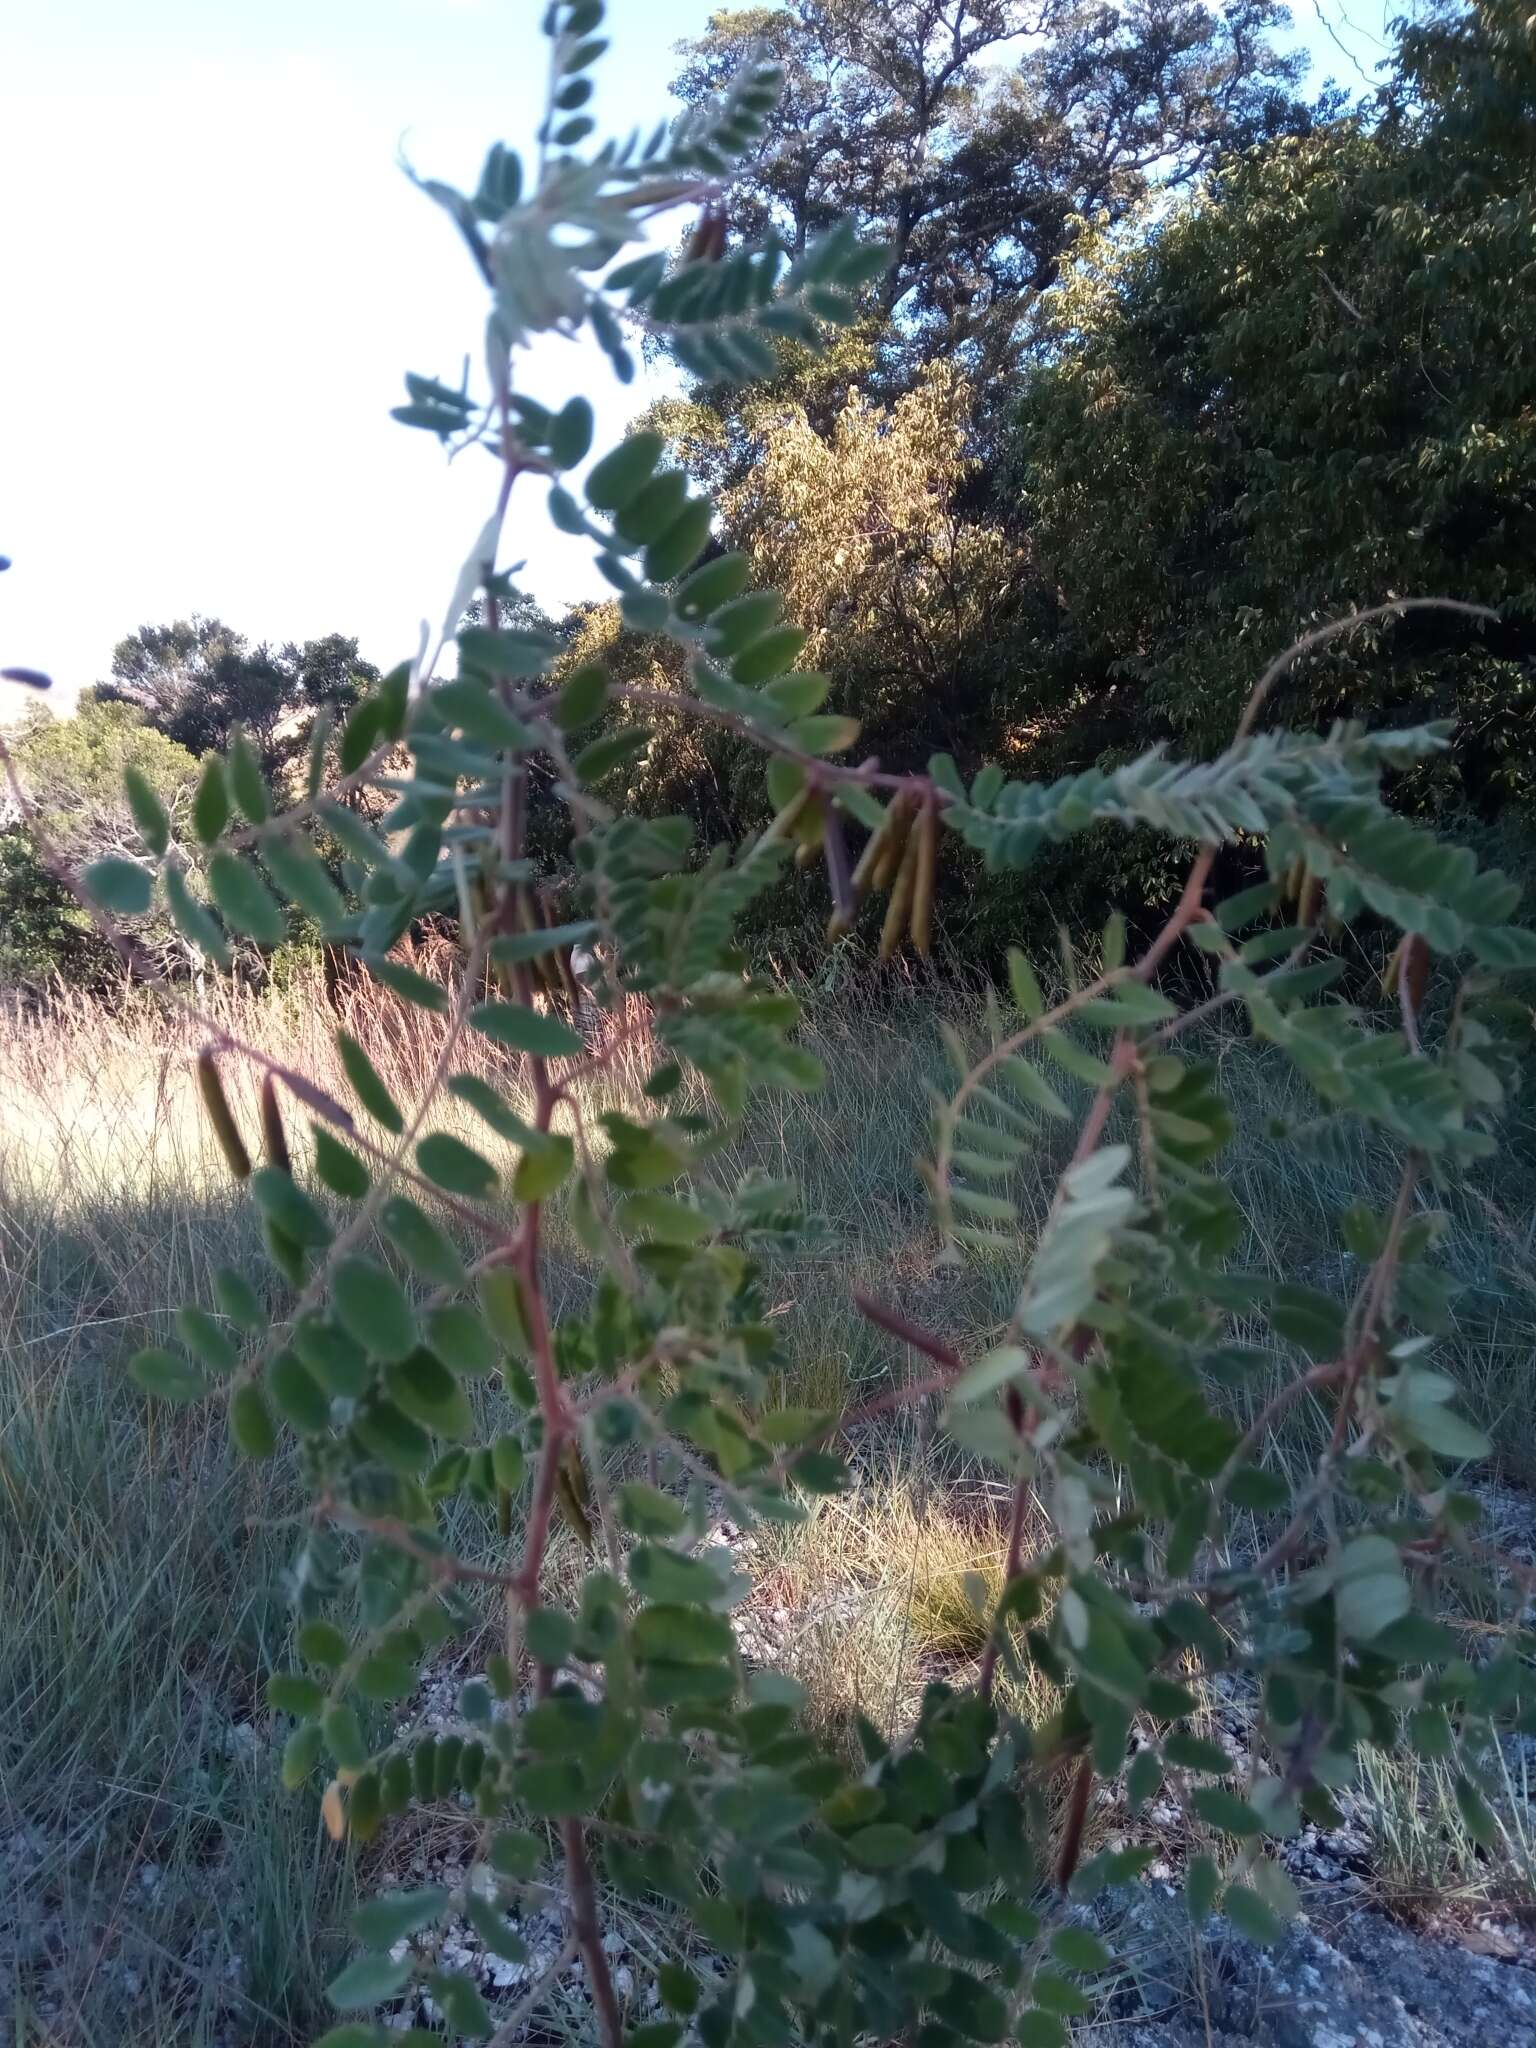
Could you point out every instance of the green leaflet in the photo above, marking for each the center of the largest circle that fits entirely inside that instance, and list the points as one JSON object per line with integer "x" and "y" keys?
{"x": 244, "y": 899}
{"x": 619, "y": 475}
{"x": 526, "y": 1030}
{"x": 367, "y": 1084}
{"x": 455, "y": 1167}
{"x": 373, "y": 1307}
{"x": 117, "y": 885}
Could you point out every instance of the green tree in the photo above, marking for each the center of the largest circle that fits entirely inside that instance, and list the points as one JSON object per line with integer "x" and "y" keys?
{"x": 44, "y": 932}
{"x": 971, "y": 134}
{"x": 871, "y": 517}
{"x": 72, "y": 770}
{"x": 196, "y": 679}
{"x": 1307, "y": 388}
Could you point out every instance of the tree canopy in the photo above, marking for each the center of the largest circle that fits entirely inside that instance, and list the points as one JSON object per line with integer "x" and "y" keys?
{"x": 72, "y": 770}
{"x": 196, "y": 679}
{"x": 970, "y": 134}
{"x": 1306, "y": 389}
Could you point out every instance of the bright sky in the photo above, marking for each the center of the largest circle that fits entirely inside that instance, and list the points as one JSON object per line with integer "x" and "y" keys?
{"x": 213, "y": 274}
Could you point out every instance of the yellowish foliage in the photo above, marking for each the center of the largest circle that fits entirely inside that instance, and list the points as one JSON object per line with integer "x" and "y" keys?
{"x": 862, "y": 528}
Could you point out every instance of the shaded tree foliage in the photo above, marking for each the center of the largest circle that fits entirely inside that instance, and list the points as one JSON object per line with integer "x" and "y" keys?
{"x": 1308, "y": 389}
{"x": 44, "y": 933}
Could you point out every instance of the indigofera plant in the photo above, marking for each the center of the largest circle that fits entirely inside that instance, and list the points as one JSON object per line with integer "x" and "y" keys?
{"x": 934, "y": 1890}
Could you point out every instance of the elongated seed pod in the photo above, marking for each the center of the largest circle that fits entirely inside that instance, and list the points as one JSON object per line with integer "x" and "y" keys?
{"x": 1310, "y": 900}
{"x": 554, "y": 967}
{"x": 526, "y": 918}
{"x": 893, "y": 850}
{"x": 274, "y": 1138}
{"x": 1415, "y": 971}
{"x": 926, "y": 840}
{"x": 571, "y": 1492}
{"x": 899, "y": 907}
{"x": 544, "y": 970}
{"x": 783, "y": 822}
{"x": 221, "y": 1116}
{"x": 1393, "y": 969}
{"x": 808, "y": 830}
{"x": 564, "y": 987}
{"x": 834, "y": 849}
{"x": 874, "y": 847}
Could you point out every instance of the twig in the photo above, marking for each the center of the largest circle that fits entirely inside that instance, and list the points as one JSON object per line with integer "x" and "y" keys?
{"x": 898, "y": 1325}
{"x": 1333, "y": 629}
{"x": 512, "y": 2025}
{"x": 589, "y": 1938}
{"x": 1023, "y": 1492}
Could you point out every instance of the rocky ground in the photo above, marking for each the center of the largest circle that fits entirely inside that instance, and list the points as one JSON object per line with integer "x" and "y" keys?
{"x": 1346, "y": 1976}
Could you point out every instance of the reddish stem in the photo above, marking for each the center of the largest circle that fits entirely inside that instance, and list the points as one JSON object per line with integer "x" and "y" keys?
{"x": 1072, "y": 1824}
{"x": 589, "y": 1939}
{"x": 898, "y": 1325}
{"x": 1021, "y": 1497}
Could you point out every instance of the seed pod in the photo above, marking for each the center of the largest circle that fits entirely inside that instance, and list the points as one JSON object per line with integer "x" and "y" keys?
{"x": 221, "y": 1116}
{"x": 874, "y": 847}
{"x": 893, "y": 852}
{"x": 1310, "y": 899}
{"x": 1392, "y": 971}
{"x": 571, "y": 1491}
{"x": 1295, "y": 877}
{"x": 926, "y": 841}
{"x": 543, "y": 974}
{"x": 809, "y": 827}
{"x": 562, "y": 973}
{"x": 707, "y": 243}
{"x": 332, "y": 1813}
{"x": 1415, "y": 971}
{"x": 834, "y": 849}
{"x": 899, "y": 907}
{"x": 570, "y": 987}
{"x": 530, "y": 918}
{"x": 273, "y": 1137}
{"x": 784, "y": 821}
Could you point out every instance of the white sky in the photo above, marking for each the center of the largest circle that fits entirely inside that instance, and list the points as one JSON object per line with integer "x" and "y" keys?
{"x": 212, "y": 276}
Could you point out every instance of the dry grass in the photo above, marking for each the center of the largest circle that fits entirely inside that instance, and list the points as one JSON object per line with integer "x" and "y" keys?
{"x": 884, "y": 1589}
{"x": 143, "y": 1566}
